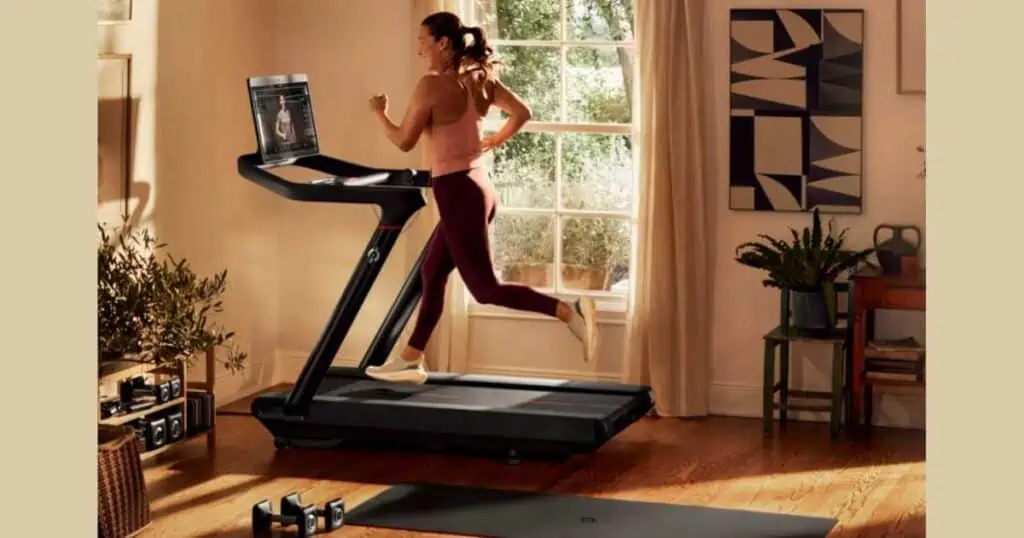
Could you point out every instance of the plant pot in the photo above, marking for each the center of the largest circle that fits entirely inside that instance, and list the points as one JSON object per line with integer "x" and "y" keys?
{"x": 534, "y": 275}
{"x": 809, "y": 310}
{"x": 582, "y": 277}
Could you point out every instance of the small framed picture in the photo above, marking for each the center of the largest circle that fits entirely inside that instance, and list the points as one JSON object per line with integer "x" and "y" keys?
{"x": 910, "y": 38}
{"x": 114, "y": 11}
{"x": 114, "y": 132}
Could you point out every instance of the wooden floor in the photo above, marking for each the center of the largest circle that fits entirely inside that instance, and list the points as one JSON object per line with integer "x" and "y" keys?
{"x": 874, "y": 487}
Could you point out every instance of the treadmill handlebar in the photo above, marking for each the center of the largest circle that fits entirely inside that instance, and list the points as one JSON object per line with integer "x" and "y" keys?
{"x": 401, "y": 183}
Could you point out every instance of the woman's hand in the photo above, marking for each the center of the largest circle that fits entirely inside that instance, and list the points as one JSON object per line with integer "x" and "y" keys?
{"x": 489, "y": 143}
{"x": 379, "y": 103}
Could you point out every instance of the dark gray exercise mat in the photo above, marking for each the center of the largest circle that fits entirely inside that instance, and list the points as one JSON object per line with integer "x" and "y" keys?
{"x": 494, "y": 513}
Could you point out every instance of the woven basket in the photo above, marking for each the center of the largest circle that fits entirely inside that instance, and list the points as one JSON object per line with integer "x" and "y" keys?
{"x": 123, "y": 504}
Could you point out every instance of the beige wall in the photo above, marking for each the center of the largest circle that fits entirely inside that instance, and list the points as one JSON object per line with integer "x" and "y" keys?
{"x": 288, "y": 262}
{"x": 350, "y": 50}
{"x": 893, "y": 127}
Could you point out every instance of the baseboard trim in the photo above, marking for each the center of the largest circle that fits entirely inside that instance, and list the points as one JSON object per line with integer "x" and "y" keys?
{"x": 575, "y": 375}
{"x": 287, "y": 356}
{"x": 738, "y": 400}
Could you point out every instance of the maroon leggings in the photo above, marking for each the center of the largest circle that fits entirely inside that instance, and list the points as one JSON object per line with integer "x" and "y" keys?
{"x": 466, "y": 201}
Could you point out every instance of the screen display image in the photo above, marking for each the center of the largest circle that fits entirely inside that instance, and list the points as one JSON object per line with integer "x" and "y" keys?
{"x": 283, "y": 113}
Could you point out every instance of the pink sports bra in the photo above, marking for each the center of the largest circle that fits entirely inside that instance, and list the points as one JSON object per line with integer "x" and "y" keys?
{"x": 457, "y": 146}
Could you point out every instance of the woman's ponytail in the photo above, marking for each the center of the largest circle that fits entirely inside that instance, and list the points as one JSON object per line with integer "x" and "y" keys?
{"x": 479, "y": 52}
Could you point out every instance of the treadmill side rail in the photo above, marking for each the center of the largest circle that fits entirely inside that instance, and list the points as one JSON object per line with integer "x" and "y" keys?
{"x": 399, "y": 199}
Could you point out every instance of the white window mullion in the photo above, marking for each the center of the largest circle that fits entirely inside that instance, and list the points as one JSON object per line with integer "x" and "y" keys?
{"x": 558, "y": 148}
{"x": 558, "y": 127}
{"x": 594, "y": 213}
{"x": 596, "y": 43}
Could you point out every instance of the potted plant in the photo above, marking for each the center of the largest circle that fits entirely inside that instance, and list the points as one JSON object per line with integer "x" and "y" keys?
{"x": 525, "y": 251}
{"x": 806, "y": 268}
{"x": 153, "y": 309}
{"x": 592, "y": 248}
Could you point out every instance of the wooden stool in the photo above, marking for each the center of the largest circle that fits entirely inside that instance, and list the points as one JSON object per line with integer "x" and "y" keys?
{"x": 780, "y": 338}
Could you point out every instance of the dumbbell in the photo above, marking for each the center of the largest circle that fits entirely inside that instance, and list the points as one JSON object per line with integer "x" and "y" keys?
{"x": 306, "y": 518}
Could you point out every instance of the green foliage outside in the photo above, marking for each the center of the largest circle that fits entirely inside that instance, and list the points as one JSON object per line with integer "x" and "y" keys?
{"x": 596, "y": 168}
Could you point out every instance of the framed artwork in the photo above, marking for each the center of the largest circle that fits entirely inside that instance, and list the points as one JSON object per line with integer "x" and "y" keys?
{"x": 796, "y": 81}
{"x": 911, "y": 45}
{"x": 114, "y": 11}
{"x": 114, "y": 126}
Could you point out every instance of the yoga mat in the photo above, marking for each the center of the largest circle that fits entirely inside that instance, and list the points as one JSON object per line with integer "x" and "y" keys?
{"x": 496, "y": 513}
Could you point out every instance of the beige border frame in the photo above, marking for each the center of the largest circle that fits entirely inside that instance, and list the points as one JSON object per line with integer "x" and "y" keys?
{"x": 126, "y": 164}
{"x": 128, "y": 13}
{"x": 901, "y": 79}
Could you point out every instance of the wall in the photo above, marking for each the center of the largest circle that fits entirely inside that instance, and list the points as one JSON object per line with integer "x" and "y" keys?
{"x": 893, "y": 127}
{"x": 188, "y": 59}
{"x": 285, "y": 269}
{"x": 350, "y": 50}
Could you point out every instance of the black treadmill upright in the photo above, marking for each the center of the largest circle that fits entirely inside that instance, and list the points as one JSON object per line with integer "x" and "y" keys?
{"x": 329, "y": 406}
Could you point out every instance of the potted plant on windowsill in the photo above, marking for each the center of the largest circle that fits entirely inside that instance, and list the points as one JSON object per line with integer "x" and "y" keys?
{"x": 592, "y": 248}
{"x": 806, "y": 268}
{"x": 525, "y": 251}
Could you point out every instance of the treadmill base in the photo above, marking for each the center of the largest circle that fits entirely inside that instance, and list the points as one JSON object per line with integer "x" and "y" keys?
{"x": 508, "y": 456}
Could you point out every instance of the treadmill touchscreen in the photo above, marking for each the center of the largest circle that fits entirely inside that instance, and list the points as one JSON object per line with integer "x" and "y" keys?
{"x": 283, "y": 115}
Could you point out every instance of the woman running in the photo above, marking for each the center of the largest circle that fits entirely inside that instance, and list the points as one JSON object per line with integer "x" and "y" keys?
{"x": 449, "y": 104}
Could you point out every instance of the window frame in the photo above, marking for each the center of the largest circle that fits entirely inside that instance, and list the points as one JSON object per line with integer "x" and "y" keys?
{"x": 612, "y": 305}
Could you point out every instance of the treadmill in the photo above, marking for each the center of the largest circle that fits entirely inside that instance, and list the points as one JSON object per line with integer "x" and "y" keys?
{"x": 331, "y": 406}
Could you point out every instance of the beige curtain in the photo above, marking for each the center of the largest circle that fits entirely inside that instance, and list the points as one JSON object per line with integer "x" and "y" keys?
{"x": 440, "y": 352}
{"x": 669, "y": 335}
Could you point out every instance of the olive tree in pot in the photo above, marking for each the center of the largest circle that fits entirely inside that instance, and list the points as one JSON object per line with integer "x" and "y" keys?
{"x": 156, "y": 310}
{"x": 806, "y": 268}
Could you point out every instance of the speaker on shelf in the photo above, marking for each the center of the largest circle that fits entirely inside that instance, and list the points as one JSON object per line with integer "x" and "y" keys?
{"x": 132, "y": 388}
{"x": 154, "y": 431}
{"x": 175, "y": 426}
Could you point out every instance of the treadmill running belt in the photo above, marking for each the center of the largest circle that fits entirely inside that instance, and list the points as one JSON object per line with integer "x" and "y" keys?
{"x": 494, "y": 513}
{"x": 469, "y": 398}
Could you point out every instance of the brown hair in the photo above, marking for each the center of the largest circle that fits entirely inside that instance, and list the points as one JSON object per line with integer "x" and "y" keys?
{"x": 446, "y": 24}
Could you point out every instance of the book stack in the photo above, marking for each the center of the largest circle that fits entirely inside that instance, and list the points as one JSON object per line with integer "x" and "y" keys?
{"x": 895, "y": 359}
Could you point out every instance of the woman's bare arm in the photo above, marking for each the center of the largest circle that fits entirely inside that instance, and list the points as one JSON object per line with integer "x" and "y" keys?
{"x": 518, "y": 111}
{"x": 417, "y": 115}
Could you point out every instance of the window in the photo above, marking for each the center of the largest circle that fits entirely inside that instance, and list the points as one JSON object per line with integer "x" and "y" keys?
{"x": 566, "y": 181}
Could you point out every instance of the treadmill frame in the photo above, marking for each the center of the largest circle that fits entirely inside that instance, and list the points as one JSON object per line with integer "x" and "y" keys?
{"x": 398, "y": 199}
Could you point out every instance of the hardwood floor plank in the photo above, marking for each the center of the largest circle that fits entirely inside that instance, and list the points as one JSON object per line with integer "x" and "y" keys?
{"x": 874, "y": 486}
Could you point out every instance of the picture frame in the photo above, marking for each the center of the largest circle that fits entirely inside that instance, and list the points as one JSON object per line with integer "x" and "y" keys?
{"x": 114, "y": 11}
{"x": 115, "y": 110}
{"x": 911, "y": 47}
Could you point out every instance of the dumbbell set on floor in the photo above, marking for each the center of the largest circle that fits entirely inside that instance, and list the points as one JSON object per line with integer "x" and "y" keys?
{"x": 306, "y": 518}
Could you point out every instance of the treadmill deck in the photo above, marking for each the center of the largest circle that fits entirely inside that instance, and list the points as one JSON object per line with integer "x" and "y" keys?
{"x": 518, "y": 413}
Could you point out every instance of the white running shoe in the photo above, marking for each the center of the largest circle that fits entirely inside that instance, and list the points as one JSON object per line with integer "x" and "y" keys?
{"x": 583, "y": 324}
{"x": 399, "y": 370}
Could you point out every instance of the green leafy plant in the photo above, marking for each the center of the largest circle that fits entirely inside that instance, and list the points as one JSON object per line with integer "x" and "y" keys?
{"x": 811, "y": 263}
{"x": 155, "y": 309}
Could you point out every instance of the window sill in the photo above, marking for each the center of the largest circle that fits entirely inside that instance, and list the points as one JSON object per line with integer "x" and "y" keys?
{"x": 610, "y": 310}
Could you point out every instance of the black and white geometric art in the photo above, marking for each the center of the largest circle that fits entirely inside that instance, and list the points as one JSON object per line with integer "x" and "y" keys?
{"x": 795, "y": 113}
